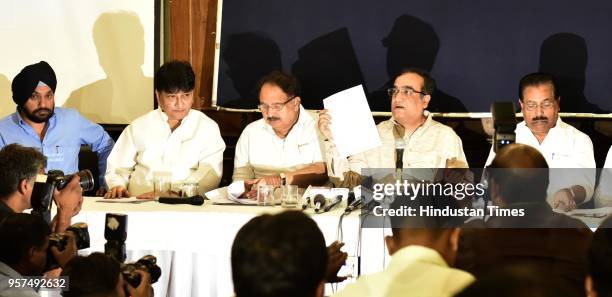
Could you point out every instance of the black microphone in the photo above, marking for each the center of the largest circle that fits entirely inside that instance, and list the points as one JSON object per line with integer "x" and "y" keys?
{"x": 333, "y": 203}
{"x": 194, "y": 200}
{"x": 319, "y": 202}
{"x": 399, "y": 156}
{"x": 306, "y": 203}
{"x": 354, "y": 205}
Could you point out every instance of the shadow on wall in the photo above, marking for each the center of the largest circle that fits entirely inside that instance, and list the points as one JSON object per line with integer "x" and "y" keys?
{"x": 565, "y": 55}
{"x": 125, "y": 93}
{"x": 7, "y": 106}
{"x": 412, "y": 42}
{"x": 325, "y": 66}
{"x": 249, "y": 56}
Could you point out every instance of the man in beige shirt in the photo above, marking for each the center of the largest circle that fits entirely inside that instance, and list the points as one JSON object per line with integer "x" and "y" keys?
{"x": 427, "y": 143}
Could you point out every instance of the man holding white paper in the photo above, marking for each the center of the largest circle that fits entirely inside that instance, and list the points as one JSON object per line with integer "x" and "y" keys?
{"x": 426, "y": 143}
{"x": 283, "y": 146}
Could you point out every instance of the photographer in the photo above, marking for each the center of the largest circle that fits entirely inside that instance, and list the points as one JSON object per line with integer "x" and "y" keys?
{"x": 99, "y": 275}
{"x": 18, "y": 169}
{"x": 23, "y": 252}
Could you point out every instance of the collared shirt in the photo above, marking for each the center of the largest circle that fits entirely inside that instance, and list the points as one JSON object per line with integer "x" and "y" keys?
{"x": 193, "y": 152}
{"x": 67, "y": 131}
{"x": 412, "y": 271}
{"x": 261, "y": 152}
{"x": 429, "y": 146}
{"x": 6, "y": 290}
{"x": 563, "y": 147}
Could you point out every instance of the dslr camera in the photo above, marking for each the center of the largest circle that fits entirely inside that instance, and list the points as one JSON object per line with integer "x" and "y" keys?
{"x": 60, "y": 240}
{"x": 45, "y": 185}
{"x": 147, "y": 263}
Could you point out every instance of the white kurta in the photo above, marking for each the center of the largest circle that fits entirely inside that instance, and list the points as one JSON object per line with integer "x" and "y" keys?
{"x": 193, "y": 152}
{"x": 261, "y": 152}
{"x": 603, "y": 194}
{"x": 563, "y": 147}
{"x": 412, "y": 271}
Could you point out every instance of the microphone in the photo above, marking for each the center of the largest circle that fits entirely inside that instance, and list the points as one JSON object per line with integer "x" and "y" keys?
{"x": 319, "y": 202}
{"x": 399, "y": 156}
{"x": 306, "y": 203}
{"x": 333, "y": 203}
{"x": 354, "y": 205}
{"x": 194, "y": 200}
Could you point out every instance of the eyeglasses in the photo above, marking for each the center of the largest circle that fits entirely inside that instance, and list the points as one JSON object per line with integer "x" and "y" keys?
{"x": 531, "y": 106}
{"x": 406, "y": 91}
{"x": 274, "y": 106}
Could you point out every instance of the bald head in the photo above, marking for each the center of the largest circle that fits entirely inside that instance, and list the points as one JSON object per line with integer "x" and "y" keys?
{"x": 518, "y": 155}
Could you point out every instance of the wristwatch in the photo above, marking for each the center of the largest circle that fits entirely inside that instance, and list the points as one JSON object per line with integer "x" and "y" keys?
{"x": 283, "y": 178}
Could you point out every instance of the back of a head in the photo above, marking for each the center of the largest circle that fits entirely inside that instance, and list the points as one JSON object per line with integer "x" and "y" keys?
{"x": 520, "y": 173}
{"x": 174, "y": 76}
{"x": 600, "y": 259}
{"x": 96, "y": 275}
{"x": 16, "y": 164}
{"x": 514, "y": 281}
{"x": 278, "y": 255}
{"x": 18, "y": 233}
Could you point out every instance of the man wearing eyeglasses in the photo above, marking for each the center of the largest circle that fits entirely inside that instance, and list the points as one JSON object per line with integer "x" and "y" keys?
{"x": 562, "y": 145}
{"x": 174, "y": 140}
{"x": 426, "y": 143}
{"x": 282, "y": 147}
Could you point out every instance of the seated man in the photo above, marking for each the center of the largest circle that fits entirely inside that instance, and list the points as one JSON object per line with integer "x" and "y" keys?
{"x": 283, "y": 145}
{"x": 427, "y": 143}
{"x": 100, "y": 275}
{"x": 19, "y": 167}
{"x": 174, "y": 139}
{"x": 23, "y": 252}
{"x": 423, "y": 251}
{"x": 269, "y": 258}
{"x": 597, "y": 283}
{"x": 539, "y": 238}
{"x": 55, "y": 131}
{"x": 562, "y": 145}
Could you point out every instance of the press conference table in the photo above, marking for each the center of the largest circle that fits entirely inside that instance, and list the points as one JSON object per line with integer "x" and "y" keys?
{"x": 193, "y": 243}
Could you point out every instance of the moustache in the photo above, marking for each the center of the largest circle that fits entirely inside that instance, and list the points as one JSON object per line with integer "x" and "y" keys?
{"x": 42, "y": 109}
{"x": 271, "y": 119}
{"x": 539, "y": 119}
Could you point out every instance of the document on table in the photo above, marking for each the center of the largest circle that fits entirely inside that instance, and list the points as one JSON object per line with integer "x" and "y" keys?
{"x": 131, "y": 200}
{"x": 229, "y": 194}
{"x": 352, "y": 125}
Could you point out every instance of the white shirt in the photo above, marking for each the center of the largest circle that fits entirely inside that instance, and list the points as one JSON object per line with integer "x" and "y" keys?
{"x": 428, "y": 147}
{"x": 260, "y": 152}
{"x": 603, "y": 194}
{"x": 563, "y": 147}
{"x": 412, "y": 271}
{"x": 192, "y": 152}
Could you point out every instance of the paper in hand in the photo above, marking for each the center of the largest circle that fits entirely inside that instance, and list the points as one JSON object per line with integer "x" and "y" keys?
{"x": 352, "y": 125}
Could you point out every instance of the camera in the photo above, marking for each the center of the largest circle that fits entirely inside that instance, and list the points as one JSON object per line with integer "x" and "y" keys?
{"x": 115, "y": 233}
{"x": 60, "y": 240}
{"x": 504, "y": 122}
{"x": 45, "y": 185}
{"x": 147, "y": 263}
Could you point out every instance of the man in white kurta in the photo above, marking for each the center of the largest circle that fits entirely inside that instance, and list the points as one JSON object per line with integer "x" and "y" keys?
{"x": 426, "y": 142}
{"x": 174, "y": 139}
{"x": 283, "y": 146}
{"x": 603, "y": 194}
{"x": 562, "y": 145}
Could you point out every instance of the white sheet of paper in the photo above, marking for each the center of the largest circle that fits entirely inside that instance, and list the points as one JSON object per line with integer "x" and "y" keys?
{"x": 352, "y": 125}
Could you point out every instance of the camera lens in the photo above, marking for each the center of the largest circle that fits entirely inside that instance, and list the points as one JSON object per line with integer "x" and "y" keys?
{"x": 87, "y": 181}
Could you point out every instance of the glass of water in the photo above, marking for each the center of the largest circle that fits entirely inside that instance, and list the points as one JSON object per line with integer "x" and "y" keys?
{"x": 289, "y": 196}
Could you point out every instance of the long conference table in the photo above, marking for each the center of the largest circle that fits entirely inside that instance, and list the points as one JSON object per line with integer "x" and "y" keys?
{"x": 193, "y": 243}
